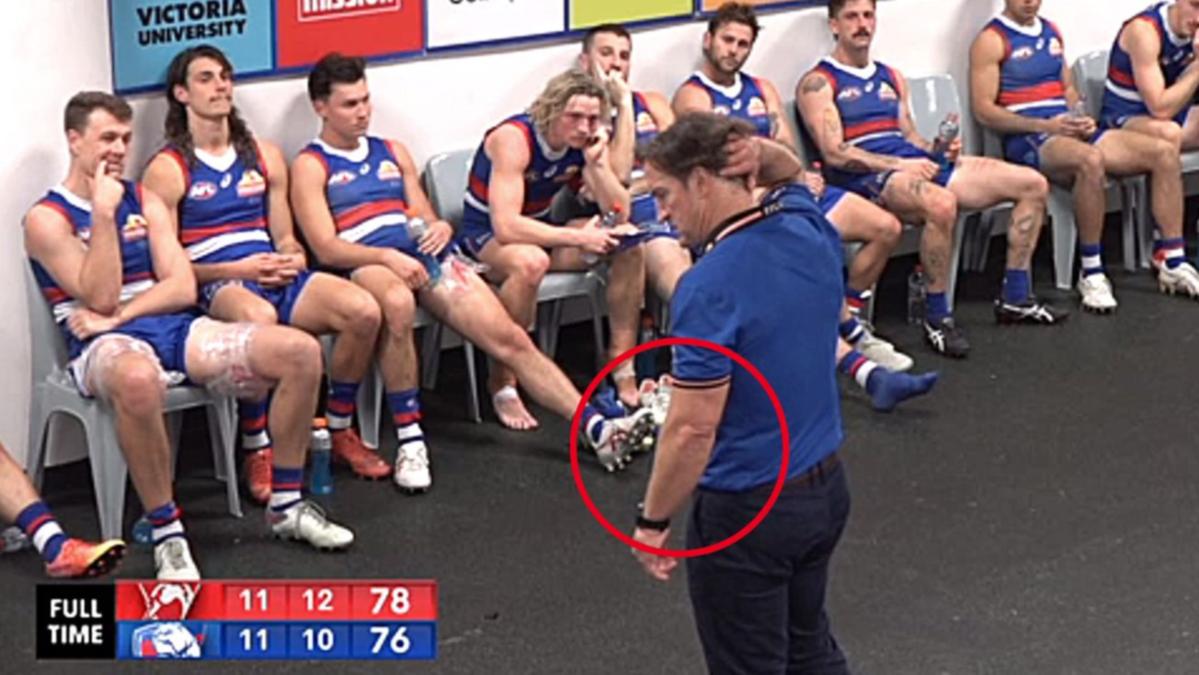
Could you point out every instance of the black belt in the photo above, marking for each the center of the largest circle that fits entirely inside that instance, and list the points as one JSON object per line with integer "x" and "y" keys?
{"x": 817, "y": 474}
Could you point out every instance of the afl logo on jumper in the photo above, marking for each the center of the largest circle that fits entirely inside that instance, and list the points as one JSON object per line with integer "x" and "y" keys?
{"x": 1055, "y": 47}
{"x": 1022, "y": 53}
{"x": 342, "y": 178}
{"x": 721, "y": 110}
{"x": 251, "y": 184}
{"x": 202, "y": 191}
{"x": 849, "y": 94}
{"x": 756, "y": 107}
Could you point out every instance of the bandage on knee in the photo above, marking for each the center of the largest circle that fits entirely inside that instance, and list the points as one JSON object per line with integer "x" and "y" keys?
{"x": 95, "y": 367}
{"x": 225, "y": 351}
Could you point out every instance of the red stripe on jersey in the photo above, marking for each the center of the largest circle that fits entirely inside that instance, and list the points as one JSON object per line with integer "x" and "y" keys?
{"x": 1121, "y": 78}
{"x": 478, "y": 188}
{"x": 873, "y": 126}
{"x": 1040, "y": 92}
{"x": 191, "y": 235}
{"x": 364, "y": 212}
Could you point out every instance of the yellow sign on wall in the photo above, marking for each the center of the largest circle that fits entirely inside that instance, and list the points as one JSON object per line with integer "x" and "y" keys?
{"x": 587, "y": 13}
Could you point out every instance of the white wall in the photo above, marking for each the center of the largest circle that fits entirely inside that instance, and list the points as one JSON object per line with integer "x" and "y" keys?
{"x": 56, "y": 47}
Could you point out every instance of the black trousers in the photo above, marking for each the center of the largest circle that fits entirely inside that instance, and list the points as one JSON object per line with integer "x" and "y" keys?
{"x": 759, "y": 604}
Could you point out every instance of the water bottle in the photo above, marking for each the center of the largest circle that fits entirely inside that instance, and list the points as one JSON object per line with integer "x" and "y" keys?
{"x": 917, "y": 295}
{"x": 644, "y": 364}
{"x": 143, "y": 532}
{"x": 417, "y": 228}
{"x": 947, "y": 133}
{"x": 319, "y": 456}
{"x": 611, "y": 219}
{"x": 1078, "y": 111}
{"x": 13, "y": 540}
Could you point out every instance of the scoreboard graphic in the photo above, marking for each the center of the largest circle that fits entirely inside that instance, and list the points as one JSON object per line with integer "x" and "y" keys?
{"x": 239, "y": 619}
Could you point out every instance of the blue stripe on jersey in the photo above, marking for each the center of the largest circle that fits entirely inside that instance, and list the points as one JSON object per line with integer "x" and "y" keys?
{"x": 366, "y": 193}
{"x": 546, "y": 173}
{"x": 223, "y": 216}
{"x": 1121, "y": 98}
{"x": 744, "y": 100}
{"x": 1031, "y": 70}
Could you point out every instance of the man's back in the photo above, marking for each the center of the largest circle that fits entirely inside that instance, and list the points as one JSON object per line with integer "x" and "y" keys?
{"x": 769, "y": 289}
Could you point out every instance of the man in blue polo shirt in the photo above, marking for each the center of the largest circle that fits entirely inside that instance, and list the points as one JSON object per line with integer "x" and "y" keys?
{"x": 759, "y": 604}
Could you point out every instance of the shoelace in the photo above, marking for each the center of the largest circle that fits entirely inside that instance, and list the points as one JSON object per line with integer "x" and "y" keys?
{"x": 413, "y": 453}
{"x": 312, "y": 509}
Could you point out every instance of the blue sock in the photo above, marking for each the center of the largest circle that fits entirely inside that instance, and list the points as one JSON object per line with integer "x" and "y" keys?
{"x": 166, "y": 523}
{"x": 339, "y": 409}
{"x": 405, "y": 414}
{"x": 285, "y": 487}
{"x": 1170, "y": 252}
{"x": 593, "y": 422}
{"x": 851, "y": 330}
{"x": 936, "y": 307}
{"x": 1092, "y": 259}
{"x": 254, "y": 434}
{"x": 1015, "y": 286}
{"x": 860, "y": 368}
{"x": 43, "y": 530}
{"x": 889, "y": 389}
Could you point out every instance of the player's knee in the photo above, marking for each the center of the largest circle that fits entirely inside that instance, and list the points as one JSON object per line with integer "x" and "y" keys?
{"x": 1166, "y": 156}
{"x": 943, "y": 208}
{"x": 1035, "y": 184}
{"x": 1170, "y": 133}
{"x": 260, "y": 313}
{"x": 399, "y": 309}
{"x": 363, "y": 314}
{"x": 136, "y": 387}
{"x": 1091, "y": 169}
{"x": 531, "y": 266}
{"x": 887, "y": 227}
{"x": 299, "y": 352}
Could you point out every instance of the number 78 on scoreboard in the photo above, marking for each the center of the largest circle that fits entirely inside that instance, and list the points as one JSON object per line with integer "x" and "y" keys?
{"x": 239, "y": 619}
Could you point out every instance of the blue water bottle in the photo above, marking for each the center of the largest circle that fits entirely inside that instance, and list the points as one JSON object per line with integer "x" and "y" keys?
{"x": 320, "y": 452}
{"x": 143, "y": 531}
{"x": 417, "y": 228}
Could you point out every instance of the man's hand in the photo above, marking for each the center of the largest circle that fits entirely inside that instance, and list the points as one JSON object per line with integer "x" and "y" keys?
{"x": 596, "y": 239}
{"x": 744, "y": 158}
{"x": 920, "y": 167}
{"x": 954, "y": 151}
{"x": 266, "y": 269}
{"x": 1072, "y": 126}
{"x": 408, "y": 269}
{"x": 596, "y": 151}
{"x": 85, "y": 323}
{"x": 814, "y": 181}
{"x": 657, "y": 566}
{"x": 107, "y": 190}
{"x": 614, "y": 82}
{"x": 295, "y": 261}
{"x": 436, "y": 237}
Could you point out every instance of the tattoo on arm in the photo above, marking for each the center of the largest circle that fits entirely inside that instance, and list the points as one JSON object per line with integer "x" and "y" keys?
{"x": 813, "y": 84}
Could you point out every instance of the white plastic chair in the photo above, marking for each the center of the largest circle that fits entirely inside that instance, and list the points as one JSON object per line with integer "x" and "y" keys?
{"x": 54, "y": 392}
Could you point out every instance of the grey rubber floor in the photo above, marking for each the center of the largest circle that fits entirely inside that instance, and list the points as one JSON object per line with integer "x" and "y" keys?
{"x": 1036, "y": 514}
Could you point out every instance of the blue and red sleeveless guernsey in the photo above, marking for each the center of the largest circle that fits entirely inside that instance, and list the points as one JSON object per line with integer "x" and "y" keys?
{"x": 1121, "y": 99}
{"x": 166, "y": 333}
{"x": 743, "y": 99}
{"x": 1030, "y": 82}
{"x": 643, "y": 209}
{"x": 548, "y": 171}
{"x": 222, "y": 217}
{"x": 365, "y": 190}
{"x": 868, "y": 100}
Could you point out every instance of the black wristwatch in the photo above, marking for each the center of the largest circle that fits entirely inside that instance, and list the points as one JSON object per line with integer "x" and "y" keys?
{"x": 648, "y": 524}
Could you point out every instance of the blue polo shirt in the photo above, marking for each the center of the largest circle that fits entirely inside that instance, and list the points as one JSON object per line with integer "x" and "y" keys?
{"x": 770, "y": 289}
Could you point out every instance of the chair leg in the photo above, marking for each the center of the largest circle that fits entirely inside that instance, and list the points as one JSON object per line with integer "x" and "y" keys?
{"x": 549, "y": 319}
{"x": 220, "y": 425}
{"x": 472, "y": 383}
{"x": 1144, "y": 220}
{"x": 39, "y": 424}
{"x": 1065, "y": 237}
{"x": 597, "y": 327}
{"x": 370, "y": 403}
{"x": 431, "y": 355}
{"x": 174, "y": 431}
{"x": 109, "y": 471}
{"x": 955, "y": 260}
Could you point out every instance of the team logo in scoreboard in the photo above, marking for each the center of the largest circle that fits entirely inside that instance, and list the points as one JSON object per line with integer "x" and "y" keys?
{"x": 168, "y": 601}
{"x": 166, "y": 640}
{"x": 325, "y": 10}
